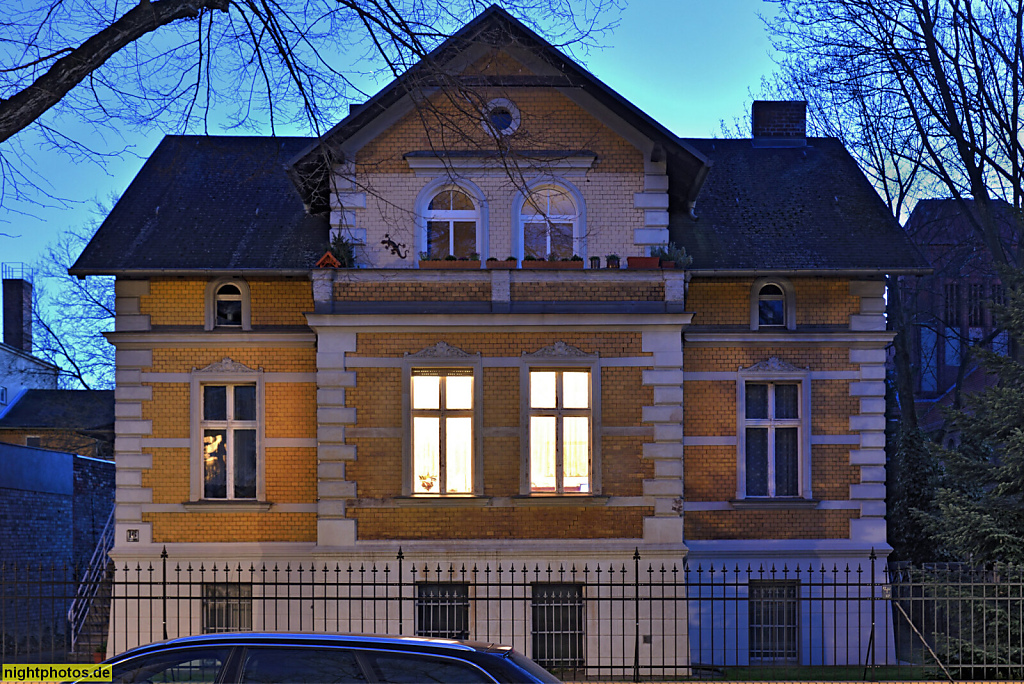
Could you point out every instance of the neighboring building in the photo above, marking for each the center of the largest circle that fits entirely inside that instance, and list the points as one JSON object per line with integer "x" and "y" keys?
{"x": 949, "y": 308}
{"x": 732, "y": 412}
{"x": 19, "y": 369}
{"x": 53, "y": 506}
{"x": 75, "y": 421}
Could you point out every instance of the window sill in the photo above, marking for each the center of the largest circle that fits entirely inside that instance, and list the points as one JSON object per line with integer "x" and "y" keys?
{"x": 559, "y": 500}
{"x": 227, "y": 506}
{"x": 777, "y": 503}
{"x": 453, "y": 500}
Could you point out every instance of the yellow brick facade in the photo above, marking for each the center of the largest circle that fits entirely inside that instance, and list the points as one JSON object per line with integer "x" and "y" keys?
{"x": 291, "y": 413}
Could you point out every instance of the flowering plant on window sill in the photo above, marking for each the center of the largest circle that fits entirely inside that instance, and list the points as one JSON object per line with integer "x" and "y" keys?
{"x": 450, "y": 262}
{"x": 554, "y": 262}
{"x": 508, "y": 264}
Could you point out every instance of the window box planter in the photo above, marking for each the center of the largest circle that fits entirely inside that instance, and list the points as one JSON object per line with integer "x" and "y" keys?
{"x": 667, "y": 264}
{"x": 502, "y": 265}
{"x": 643, "y": 262}
{"x": 448, "y": 264}
{"x": 553, "y": 265}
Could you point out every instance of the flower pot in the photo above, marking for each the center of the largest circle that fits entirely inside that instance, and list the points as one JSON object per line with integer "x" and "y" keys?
{"x": 502, "y": 265}
{"x": 552, "y": 265}
{"x": 643, "y": 262}
{"x": 449, "y": 264}
{"x": 667, "y": 264}
{"x": 97, "y": 658}
{"x": 612, "y": 263}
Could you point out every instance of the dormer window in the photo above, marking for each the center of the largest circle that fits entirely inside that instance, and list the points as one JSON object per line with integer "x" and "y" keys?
{"x": 452, "y": 220}
{"x": 227, "y": 304}
{"x": 771, "y": 306}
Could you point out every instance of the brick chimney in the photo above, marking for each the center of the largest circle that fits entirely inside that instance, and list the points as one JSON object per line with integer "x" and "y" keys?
{"x": 17, "y": 298}
{"x": 779, "y": 123}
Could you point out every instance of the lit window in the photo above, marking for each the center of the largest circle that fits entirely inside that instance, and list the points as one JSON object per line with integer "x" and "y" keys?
{"x": 229, "y": 441}
{"x": 560, "y": 422}
{"x": 772, "y": 439}
{"x": 771, "y": 306}
{"x": 442, "y": 431}
{"x": 550, "y": 224}
{"x": 452, "y": 220}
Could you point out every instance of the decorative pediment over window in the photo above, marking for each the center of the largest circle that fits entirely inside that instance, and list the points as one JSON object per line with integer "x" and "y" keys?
{"x": 559, "y": 350}
{"x": 772, "y": 365}
{"x": 441, "y": 350}
{"x": 226, "y": 365}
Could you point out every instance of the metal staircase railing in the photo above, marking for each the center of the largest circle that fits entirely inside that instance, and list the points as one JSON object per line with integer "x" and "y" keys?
{"x": 78, "y": 613}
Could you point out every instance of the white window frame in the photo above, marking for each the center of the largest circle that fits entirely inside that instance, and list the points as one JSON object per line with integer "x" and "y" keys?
{"x": 211, "y": 303}
{"x": 423, "y": 214}
{"x": 559, "y": 357}
{"x": 788, "y": 303}
{"x": 228, "y": 373}
{"x": 771, "y": 372}
{"x": 502, "y": 103}
{"x": 442, "y": 356}
{"x": 579, "y": 220}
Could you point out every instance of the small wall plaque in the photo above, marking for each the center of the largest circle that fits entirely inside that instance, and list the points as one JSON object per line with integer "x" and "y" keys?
{"x": 133, "y": 535}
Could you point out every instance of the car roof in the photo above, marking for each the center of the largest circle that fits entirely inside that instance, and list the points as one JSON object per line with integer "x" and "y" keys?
{"x": 400, "y": 643}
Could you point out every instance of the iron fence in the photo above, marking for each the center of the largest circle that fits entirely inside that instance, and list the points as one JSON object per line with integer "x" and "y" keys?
{"x": 630, "y": 620}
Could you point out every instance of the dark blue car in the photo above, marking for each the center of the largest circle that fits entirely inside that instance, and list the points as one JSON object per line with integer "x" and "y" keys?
{"x": 254, "y": 657}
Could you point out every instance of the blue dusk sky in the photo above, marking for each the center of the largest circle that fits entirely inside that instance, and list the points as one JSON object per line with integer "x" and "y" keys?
{"x": 690, "y": 64}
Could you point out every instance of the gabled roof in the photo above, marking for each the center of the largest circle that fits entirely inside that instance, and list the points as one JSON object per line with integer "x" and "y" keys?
{"x": 803, "y": 208}
{"x": 494, "y": 26}
{"x": 71, "y": 409}
{"x": 210, "y": 204}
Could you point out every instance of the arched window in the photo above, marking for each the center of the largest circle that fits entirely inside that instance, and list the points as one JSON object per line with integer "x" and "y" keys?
{"x": 550, "y": 222}
{"x": 452, "y": 221}
{"x": 772, "y": 304}
{"x": 227, "y": 304}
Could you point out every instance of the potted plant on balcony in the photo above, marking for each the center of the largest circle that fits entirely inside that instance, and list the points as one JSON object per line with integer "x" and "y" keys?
{"x": 642, "y": 262}
{"x": 508, "y": 264}
{"x": 612, "y": 260}
{"x": 595, "y": 262}
{"x": 672, "y": 256}
{"x": 450, "y": 261}
{"x": 340, "y": 254}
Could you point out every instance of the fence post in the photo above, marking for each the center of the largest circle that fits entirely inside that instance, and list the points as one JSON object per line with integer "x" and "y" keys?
{"x": 400, "y": 606}
{"x": 636, "y": 614}
{"x": 163, "y": 581}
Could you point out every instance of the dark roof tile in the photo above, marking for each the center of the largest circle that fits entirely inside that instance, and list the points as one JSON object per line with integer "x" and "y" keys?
{"x": 220, "y": 203}
{"x": 789, "y": 208}
{"x": 72, "y": 409}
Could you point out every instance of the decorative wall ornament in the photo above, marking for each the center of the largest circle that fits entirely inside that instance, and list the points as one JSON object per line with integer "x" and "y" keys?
{"x": 441, "y": 350}
{"x": 225, "y": 365}
{"x": 772, "y": 365}
{"x": 559, "y": 350}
